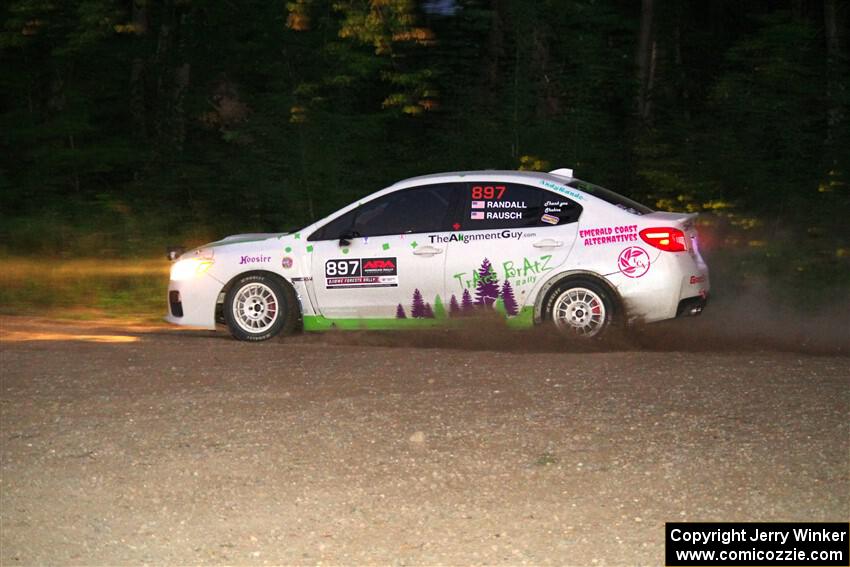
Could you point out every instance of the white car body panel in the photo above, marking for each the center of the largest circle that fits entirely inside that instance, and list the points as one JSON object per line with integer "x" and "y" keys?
{"x": 604, "y": 244}
{"x": 424, "y": 267}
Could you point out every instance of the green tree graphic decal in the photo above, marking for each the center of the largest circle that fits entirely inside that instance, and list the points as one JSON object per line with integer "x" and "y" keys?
{"x": 439, "y": 308}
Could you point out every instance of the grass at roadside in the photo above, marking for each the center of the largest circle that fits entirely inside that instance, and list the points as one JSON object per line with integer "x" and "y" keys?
{"x": 84, "y": 288}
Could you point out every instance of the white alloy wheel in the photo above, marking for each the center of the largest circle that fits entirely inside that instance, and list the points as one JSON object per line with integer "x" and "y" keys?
{"x": 255, "y": 308}
{"x": 580, "y": 311}
{"x": 259, "y": 306}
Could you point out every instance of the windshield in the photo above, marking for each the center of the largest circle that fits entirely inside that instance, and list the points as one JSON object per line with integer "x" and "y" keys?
{"x": 610, "y": 197}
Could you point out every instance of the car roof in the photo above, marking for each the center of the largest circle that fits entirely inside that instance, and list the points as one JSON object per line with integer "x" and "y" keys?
{"x": 504, "y": 174}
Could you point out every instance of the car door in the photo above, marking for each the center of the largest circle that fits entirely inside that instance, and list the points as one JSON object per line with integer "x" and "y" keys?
{"x": 512, "y": 236}
{"x": 376, "y": 261}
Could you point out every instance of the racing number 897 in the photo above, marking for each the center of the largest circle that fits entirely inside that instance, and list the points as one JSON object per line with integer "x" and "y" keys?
{"x": 488, "y": 192}
{"x": 342, "y": 268}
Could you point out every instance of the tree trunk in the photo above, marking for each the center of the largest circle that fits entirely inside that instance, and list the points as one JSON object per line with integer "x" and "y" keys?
{"x": 182, "y": 75}
{"x": 547, "y": 101}
{"x": 163, "y": 47}
{"x": 75, "y": 176}
{"x": 515, "y": 122}
{"x": 494, "y": 50}
{"x": 139, "y": 15}
{"x": 645, "y": 60}
{"x": 163, "y": 68}
{"x": 683, "y": 91}
{"x": 834, "y": 85}
{"x": 137, "y": 74}
{"x": 181, "y": 85}
{"x": 799, "y": 9}
{"x": 650, "y": 83}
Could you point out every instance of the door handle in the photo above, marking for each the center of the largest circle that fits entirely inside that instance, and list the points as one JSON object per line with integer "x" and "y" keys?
{"x": 427, "y": 251}
{"x": 548, "y": 243}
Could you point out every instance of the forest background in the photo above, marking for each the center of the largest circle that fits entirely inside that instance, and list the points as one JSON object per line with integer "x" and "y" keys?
{"x": 127, "y": 126}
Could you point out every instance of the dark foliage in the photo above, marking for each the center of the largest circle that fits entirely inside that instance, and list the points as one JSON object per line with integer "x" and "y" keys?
{"x": 125, "y": 126}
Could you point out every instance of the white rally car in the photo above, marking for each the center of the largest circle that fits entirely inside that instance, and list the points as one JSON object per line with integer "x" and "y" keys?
{"x": 533, "y": 247}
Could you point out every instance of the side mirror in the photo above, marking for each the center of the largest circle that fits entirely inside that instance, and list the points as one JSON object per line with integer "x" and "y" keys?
{"x": 346, "y": 238}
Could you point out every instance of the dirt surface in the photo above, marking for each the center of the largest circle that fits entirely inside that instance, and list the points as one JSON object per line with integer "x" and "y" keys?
{"x": 127, "y": 444}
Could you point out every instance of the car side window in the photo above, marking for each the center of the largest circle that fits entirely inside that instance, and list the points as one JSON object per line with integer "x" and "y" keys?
{"x": 420, "y": 209}
{"x": 494, "y": 205}
{"x": 558, "y": 207}
{"x": 335, "y": 229}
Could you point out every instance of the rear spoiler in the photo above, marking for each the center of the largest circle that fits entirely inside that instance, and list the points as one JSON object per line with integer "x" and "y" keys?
{"x": 685, "y": 220}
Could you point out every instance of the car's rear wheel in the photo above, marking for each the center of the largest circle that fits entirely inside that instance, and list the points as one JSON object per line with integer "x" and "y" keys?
{"x": 580, "y": 308}
{"x": 258, "y": 307}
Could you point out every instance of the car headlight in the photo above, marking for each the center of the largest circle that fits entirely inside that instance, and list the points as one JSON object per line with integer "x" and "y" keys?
{"x": 189, "y": 268}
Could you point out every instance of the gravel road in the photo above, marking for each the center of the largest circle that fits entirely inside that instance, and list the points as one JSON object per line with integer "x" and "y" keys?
{"x": 126, "y": 445}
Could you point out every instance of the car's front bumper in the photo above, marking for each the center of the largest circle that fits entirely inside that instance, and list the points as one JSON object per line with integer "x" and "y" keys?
{"x": 192, "y": 302}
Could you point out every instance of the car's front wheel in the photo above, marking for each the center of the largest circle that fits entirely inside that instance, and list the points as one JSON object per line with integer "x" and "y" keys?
{"x": 581, "y": 308}
{"x": 259, "y": 307}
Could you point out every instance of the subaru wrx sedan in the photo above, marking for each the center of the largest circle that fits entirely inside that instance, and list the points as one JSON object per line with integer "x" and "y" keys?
{"x": 535, "y": 248}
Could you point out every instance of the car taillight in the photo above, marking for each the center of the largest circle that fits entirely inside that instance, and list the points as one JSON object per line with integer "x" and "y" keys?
{"x": 665, "y": 238}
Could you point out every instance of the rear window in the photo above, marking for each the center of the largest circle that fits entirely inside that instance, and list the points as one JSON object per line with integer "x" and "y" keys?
{"x": 610, "y": 197}
{"x": 494, "y": 205}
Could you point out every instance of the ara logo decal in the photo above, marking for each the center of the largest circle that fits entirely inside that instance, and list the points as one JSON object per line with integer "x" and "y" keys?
{"x": 379, "y": 265}
{"x": 633, "y": 262}
{"x": 361, "y": 272}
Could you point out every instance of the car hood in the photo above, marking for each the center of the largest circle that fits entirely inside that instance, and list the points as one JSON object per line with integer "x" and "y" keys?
{"x": 248, "y": 237}
{"x": 208, "y": 250}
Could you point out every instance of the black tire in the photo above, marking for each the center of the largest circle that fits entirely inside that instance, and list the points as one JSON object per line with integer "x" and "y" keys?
{"x": 581, "y": 308}
{"x": 258, "y": 307}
